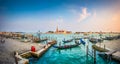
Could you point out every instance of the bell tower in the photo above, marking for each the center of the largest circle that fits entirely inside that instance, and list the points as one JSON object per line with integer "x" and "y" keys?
{"x": 57, "y": 29}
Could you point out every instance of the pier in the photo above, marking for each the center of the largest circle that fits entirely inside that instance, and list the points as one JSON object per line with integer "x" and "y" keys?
{"x": 109, "y": 48}
{"x": 116, "y": 55}
{"x": 43, "y": 50}
{"x": 22, "y": 57}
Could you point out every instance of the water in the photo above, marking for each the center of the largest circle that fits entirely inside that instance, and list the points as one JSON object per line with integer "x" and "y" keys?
{"x": 75, "y": 55}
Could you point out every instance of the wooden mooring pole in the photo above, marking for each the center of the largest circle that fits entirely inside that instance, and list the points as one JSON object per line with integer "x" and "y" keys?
{"x": 94, "y": 56}
{"x": 87, "y": 50}
{"x": 87, "y": 54}
{"x": 104, "y": 46}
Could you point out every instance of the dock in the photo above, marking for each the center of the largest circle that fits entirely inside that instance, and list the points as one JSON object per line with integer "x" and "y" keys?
{"x": 116, "y": 55}
{"x": 109, "y": 48}
{"x": 21, "y": 58}
{"x": 43, "y": 50}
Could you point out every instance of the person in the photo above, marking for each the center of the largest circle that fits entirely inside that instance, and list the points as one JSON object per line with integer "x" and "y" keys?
{"x": 59, "y": 43}
{"x": 64, "y": 39}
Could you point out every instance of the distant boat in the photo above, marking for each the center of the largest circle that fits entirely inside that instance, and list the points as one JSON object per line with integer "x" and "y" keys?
{"x": 38, "y": 39}
{"x": 109, "y": 38}
{"x": 41, "y": 40}
{"x": 76, "y": 38}
{"x": 66, "y": 41}
{"x": 67, "y": 46}
{"x": 95, "y": 40}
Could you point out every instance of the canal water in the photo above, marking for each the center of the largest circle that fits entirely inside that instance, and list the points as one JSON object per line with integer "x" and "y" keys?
{"x": 75, "y": 55}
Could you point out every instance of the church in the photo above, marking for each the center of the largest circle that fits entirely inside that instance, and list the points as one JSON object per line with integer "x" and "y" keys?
{"x": 62, "y": 31}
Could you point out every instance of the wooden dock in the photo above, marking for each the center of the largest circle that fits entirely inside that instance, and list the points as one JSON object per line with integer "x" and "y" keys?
{"x": 113, "y": 53}
{"x": 21, "y": 59}
{"x": 43, "y": 50}
{"x": 116, "y": 55}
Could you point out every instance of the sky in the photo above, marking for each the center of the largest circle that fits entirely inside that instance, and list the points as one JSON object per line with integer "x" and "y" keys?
{"x": 71, "y": 15}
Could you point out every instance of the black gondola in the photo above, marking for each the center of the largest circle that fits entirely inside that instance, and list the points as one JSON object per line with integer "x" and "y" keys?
{"x": 66, "y": 41}
{"x": 76, "y": 38}
{"x": 94, "y": 40}
{"x": 41, "y": 40}
{"x": 67, "y": 46}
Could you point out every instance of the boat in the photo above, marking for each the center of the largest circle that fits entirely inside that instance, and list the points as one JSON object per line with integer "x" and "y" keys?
{"x": 36, "y": 41}
{"x": 66, "y": 41}
{"x": 109, "y": 38}
{"x": 83, "y": 42}
{"x": 67, "y": 46}
{"x": 95, "y": 40}
{"x": 41, "y": 40}
{"x": 76, "y": 38}
{"x": 100, "y": 40}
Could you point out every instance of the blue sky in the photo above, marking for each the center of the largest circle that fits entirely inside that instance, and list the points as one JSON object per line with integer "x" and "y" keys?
{"x": 73, "y": 15}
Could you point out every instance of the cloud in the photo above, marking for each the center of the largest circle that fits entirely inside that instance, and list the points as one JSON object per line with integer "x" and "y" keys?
{"x": 83, "y": 15}
{"x": 80, "y": 16}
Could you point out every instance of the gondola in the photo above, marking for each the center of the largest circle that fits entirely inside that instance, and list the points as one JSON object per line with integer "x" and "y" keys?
{"x": 109, "y": 38}
{"x": 41, "y": 40}
{"x": 67, "y": 46}
{"x": 66, "y": 41}
{"x": 76, "y": 38}
{"x": 94, "y": 40}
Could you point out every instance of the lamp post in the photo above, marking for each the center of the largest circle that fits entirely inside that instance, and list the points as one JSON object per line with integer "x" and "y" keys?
{"x": 100, "y": 37}
{"x": 39, "y": 35}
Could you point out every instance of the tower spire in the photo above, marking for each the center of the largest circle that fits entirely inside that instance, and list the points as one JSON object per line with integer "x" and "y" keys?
{"x": 57, "y": 29}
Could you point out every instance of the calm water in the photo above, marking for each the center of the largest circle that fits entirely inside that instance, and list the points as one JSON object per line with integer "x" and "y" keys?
{"x": 75, "y": 55}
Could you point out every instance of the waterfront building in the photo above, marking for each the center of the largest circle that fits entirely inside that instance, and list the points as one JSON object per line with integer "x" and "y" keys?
{"x": 62, "y": 31}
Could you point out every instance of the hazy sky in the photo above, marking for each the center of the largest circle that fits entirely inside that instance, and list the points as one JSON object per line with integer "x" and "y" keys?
{"x": 73, "y": 15}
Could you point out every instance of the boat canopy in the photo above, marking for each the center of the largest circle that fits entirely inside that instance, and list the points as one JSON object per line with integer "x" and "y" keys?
{"x": 83, "y": 42}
